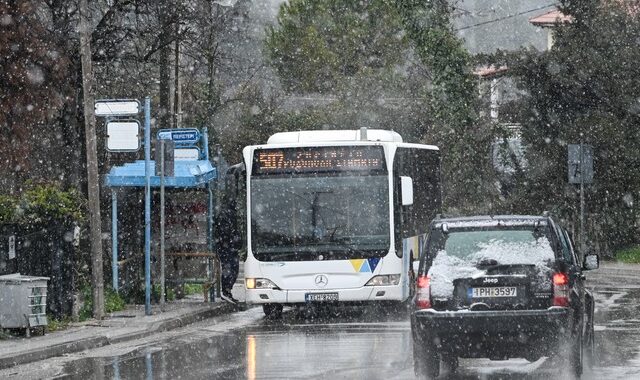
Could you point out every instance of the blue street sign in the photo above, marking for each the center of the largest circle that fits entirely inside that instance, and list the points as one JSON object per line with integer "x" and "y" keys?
{"x": 180, "y": 135}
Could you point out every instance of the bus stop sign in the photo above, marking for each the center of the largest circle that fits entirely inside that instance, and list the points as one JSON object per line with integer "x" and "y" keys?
{"x": 123, "y": 107}
{"x": 580, "y": 163}
{"x": 180, "y": 135}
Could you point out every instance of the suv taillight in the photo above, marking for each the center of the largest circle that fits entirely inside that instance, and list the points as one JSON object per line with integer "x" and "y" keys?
{"x": 560, "y": 289}
{"x": 423, "y": 292}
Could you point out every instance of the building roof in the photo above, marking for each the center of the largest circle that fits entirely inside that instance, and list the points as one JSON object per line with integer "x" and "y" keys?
{"x": 490, "y": 71}
{"x": 632, "y": 7}
{"x": 550, "y": 19}
{"x": 334, "y": 135}
{"x": 187, "y": 174}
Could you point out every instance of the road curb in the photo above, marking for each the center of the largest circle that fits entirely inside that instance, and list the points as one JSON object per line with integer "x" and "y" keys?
{"x": 101, "y": 340}
{"x": 177, "y": 322}
{"x": 614, "y": 268}
{"x": 51, "y": 351}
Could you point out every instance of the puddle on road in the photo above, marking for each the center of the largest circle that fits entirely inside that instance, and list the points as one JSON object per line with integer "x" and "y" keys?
{"x": 216, "y": 357}
{"x": 301, "y": 345}
{"x": 617, "y": 326}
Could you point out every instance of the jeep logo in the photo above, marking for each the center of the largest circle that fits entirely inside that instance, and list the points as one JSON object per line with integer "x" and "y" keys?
{"x": 490, "y": 281}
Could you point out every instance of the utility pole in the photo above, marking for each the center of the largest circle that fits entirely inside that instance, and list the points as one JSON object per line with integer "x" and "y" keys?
{"x": 162, "y": 144}
{"x": 177, "y": 97}
{"x": 583, "y": 245}
{"x": 93, "y": 184}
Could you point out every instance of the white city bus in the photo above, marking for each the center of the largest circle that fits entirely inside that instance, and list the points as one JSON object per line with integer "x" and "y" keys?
{"x": 336, "y": 216}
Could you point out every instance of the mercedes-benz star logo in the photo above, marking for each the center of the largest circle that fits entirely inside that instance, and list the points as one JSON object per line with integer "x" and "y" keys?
{"x": 321, "y": 280}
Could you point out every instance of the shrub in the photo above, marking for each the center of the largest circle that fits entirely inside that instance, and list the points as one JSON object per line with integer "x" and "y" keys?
{"x": 112, "y": 302}
{"x": 57, "y": 324}
{"x": 42, "y": 203}
{"x": 7, "y": 209}
{"x": 46, "y": 202}
{"x": 192, "y": 289}
{"x": 629, "y": 255}
{"x": 155, "y": 293}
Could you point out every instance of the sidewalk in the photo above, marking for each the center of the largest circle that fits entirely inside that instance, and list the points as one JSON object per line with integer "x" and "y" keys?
{"x": 614, "y": 269}
{"x": 614, "y": 273}
{"x": 118, "y": 327}
{"x": 620, "y": 268}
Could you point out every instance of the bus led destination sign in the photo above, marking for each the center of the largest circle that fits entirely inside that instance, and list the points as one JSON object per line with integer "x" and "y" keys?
{"x": 334, "y": 158}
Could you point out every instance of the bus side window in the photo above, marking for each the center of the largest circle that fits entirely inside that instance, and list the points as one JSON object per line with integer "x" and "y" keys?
{"x": 402, "y": 214}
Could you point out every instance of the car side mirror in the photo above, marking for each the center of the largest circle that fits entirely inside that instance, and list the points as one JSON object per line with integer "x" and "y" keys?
{"x": 406, "y": 188}
{"x": 591, "y": 261}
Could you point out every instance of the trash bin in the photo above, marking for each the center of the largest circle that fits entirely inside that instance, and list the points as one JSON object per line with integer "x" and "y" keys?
{"x": 23, "y": 302}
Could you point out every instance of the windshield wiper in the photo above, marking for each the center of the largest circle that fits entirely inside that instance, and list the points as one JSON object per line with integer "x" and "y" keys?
{"x": 349, "y": 246}
{"x": 280, "y": 255}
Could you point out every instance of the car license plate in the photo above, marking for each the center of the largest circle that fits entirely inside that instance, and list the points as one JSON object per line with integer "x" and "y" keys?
{"x": 321, "y": 297}
{"x": 495, "y": 291}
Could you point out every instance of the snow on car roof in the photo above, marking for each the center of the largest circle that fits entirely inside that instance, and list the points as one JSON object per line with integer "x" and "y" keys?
{"x": 491, "y": 221}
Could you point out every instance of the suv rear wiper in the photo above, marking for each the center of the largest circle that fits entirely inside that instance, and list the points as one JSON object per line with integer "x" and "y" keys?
{"x": 484, "y": 263}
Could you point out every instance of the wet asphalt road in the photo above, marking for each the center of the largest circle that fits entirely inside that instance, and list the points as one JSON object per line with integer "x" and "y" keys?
{"x": 366, "y": 343}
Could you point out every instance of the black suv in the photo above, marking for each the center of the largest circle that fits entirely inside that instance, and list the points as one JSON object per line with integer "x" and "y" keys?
{"x": 501, "y": 287}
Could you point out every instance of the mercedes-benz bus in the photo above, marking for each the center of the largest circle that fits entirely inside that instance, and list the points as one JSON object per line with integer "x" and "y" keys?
{"x": 336, "y": 216}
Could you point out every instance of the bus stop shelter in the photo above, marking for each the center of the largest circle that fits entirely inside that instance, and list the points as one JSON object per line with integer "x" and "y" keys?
{"x": 188, "y": 174}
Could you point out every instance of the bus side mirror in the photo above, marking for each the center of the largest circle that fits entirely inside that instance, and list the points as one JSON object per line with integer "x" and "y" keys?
{"x": 406, "y": 187}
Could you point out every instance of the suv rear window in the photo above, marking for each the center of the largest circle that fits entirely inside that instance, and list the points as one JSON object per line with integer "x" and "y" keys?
{"x": 522, "y": 246}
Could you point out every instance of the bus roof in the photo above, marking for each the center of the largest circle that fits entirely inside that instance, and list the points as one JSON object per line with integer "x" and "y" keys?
{"x": 335, "y": 135}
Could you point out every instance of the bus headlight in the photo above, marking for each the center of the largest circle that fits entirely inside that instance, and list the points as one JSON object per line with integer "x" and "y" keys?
{"x": 384, "y": 280}
{"x": 260, "y": 283}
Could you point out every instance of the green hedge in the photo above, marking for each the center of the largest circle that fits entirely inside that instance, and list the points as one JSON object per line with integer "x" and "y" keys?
{"x": 629, "y": 255}
{"x": 8, "y": 208}
{"x": 42, "y": 203}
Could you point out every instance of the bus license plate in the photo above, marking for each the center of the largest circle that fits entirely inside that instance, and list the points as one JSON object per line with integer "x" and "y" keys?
{"x": 496, "y": 291}
{"x": 321, "y": 297}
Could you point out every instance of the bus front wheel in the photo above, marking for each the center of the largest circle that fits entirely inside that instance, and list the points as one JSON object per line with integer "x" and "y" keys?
{"x": 272, "y": 310}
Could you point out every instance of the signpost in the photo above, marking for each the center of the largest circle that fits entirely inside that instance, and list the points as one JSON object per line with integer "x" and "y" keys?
{"x": 123, "y": 136}
{"x": 580, "y": 164}
{"x": 147, "y": 206}
{"x": 186, "y": 154}
{"x": 124, "y": 107}
{"x": 580, "y": 157}
{"x": 164, "y": 156}
{"x": 12, "y": 247}
{"x": 183, "y": 136}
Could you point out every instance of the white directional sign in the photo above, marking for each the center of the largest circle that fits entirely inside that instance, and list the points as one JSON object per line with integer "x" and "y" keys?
{"x": 123, "y": 136}
{"x": 117, "y": 107}
{"x": 186, "y": 154}
{"x": 180, "y": 135}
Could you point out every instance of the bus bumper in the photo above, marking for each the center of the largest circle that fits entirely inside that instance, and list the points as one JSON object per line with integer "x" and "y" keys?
{"x": 365, "y": 293}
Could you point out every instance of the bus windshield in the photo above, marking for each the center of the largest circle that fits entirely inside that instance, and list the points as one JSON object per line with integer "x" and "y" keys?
{"x": 300, "y": 217}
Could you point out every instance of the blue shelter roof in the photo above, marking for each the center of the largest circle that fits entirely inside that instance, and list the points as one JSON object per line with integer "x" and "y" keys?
{"x": 187, "y": 174}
